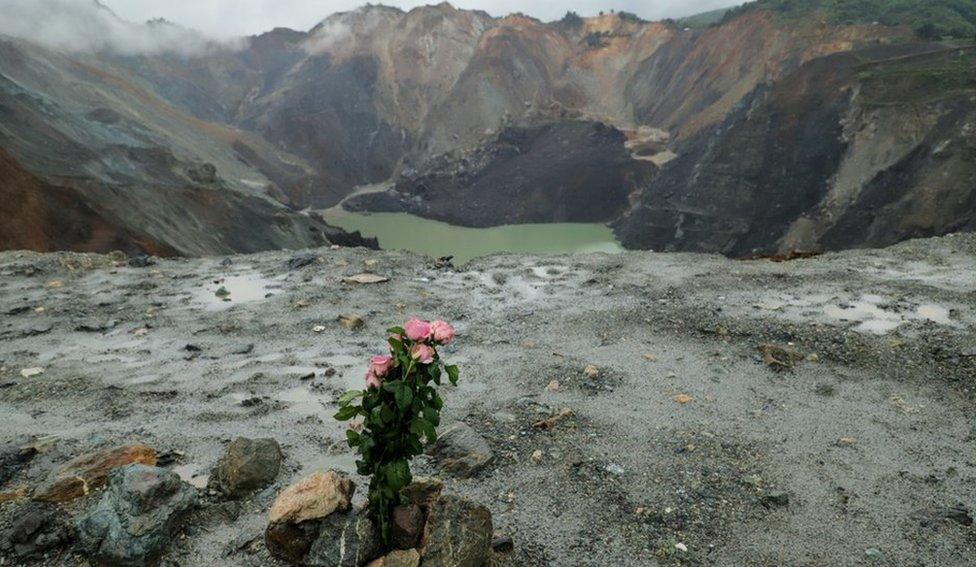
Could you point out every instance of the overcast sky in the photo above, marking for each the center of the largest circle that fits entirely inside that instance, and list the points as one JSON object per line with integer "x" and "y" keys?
{"x": 224, "y": 18}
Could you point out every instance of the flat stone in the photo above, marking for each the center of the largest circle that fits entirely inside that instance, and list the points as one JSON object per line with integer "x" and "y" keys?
{"x": 141, "y": 511}
{"x": 458, "y": 533}
{"x": 88, "y": 472}
{"x": 460, "y": 451}
{"x": 246, "y": 466}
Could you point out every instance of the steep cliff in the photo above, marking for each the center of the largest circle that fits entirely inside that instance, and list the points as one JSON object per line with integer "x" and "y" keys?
{"x": 768, "y": 129}
{"x": 861, "y": 148}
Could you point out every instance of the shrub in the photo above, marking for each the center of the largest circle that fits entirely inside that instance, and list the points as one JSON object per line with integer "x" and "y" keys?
{"x": 400, "y": 408}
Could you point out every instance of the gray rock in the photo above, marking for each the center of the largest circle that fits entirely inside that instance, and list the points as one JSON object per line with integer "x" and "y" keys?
{"x": 460, "y": 451}
{"x": 202, "y": 173}
{"x": 345, "y": 540}
{"x": 291, "y": 542}
{"x": 12, "y": 459}
{"x": 502, "y": 544}
{"x": 246, "y": 466}
{"x": 37, "y": 528}
{"x": 408, "y": 525}
{"x": 776, "y": 498}
{"x": 458, "y": 533}
{"x": 141, "y": 510}
{"x": 299, "y": 261}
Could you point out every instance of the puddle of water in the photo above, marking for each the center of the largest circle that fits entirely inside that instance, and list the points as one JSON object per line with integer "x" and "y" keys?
{"x": 225, "y": 292}
{"x": 878, "y": 326}
{"x": 345, "y": 462}
{"x": 192, "y": 474}
{"x": 874, "y": 319}
{"x": 934, "y": 313}
{"x": 303, "y": 401}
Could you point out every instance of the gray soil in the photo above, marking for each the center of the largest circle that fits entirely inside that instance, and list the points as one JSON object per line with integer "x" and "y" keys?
{"x": 862, "y": 446}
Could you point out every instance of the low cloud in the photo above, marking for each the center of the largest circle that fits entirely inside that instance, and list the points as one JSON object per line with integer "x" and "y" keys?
{"x": 89, "y": 26}
{"x": 329, "y": 35}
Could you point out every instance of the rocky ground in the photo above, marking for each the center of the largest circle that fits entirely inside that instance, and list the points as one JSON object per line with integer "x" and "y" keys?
{"x": 639, "y": 409}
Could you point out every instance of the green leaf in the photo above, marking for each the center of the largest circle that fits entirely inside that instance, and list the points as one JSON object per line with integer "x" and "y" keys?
{"x": 346, "y": 413}
{"x": 386, "y": 414}
{"x": 431, "y": 415}
{"x": 350, "y": 396}
{"x": 435, "y": 373}
{"x": 353, "y": 438}
{"x": 404, "y": 396}
{"x": 452, "y": 373}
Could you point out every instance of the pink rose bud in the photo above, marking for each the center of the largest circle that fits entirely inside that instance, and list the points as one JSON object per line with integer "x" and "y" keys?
{"x": 442, "y": 332}
{"x": 380, "y": 365}
{"x": 372, "y": 381}
{"x": 422, "y": 353}
{"x": 417, "y": 330}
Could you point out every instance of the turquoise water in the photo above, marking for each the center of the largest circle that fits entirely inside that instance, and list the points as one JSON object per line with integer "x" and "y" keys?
{"x": 402, "y": 231}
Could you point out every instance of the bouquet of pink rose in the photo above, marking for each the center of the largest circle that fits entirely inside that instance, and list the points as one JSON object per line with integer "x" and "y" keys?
{"x": 400, "y": 406}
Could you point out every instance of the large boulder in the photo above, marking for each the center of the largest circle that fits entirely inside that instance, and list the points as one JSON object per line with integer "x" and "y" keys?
{"x": 313, "y": 497}
{"x": 299, "y": 512}
{"x": 246, "y": 466}
{"x": 345, "y": 540}
{"x": 458, "y": 533}
{"x": 85, "y": 473}
{"x": 37, "y": 528}
{"x": 460, "y": 451}
{"x": 140, "y": 512}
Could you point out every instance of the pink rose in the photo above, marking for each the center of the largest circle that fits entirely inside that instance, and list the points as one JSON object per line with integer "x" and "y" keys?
{"x": 380, "y": 365}
{"x": 372, "y": 381}
{"x": 442, "y": 332}
{"x": 422, "y": 353}
{"x": 417, "y": 330}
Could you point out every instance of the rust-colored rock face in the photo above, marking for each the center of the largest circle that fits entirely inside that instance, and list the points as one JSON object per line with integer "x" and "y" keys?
{"x": 88, "y": 472}
{"x": 43, "y": 217}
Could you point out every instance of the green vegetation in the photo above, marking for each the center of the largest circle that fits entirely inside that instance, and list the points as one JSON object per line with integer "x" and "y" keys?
{"x": 703, "y": 20}
{"x": 629, "y": 17}
{"x": 931, "y": 19}
{"x": 920, "y": 80}
{"x": 572, "y": 20}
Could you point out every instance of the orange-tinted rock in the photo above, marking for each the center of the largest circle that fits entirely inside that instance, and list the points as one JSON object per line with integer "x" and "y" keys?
{"x": 313, "y": 497}
{"x": 398, "y": 558}
{"x": 87, "y": 472}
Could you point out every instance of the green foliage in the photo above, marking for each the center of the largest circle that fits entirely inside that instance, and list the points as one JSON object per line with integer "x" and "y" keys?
{"x": 398, "y": 419}
{"x": 629, "y": 17}
{"x": 702, "y": 20}
{"x": 934, "y": 18}
{"x": 572, "y": 20}
{"x": 920, "y": 80}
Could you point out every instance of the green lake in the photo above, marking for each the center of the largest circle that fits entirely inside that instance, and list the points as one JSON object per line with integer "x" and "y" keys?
{"x": 402, "y": 231}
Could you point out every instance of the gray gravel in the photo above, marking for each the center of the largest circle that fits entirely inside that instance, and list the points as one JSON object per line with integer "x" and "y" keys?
{"x": 853, "y": 452}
